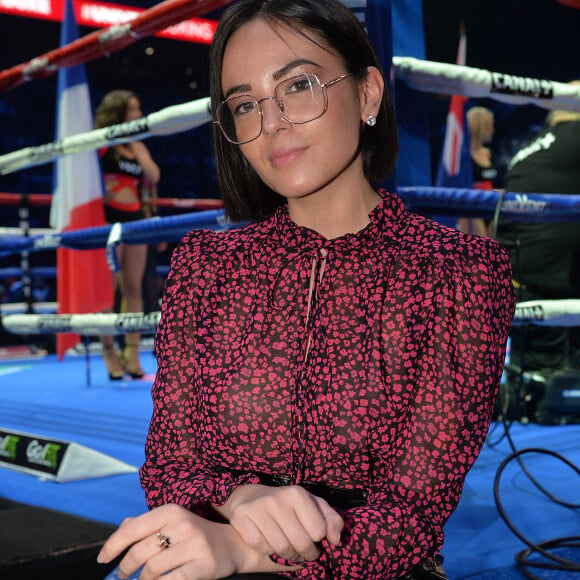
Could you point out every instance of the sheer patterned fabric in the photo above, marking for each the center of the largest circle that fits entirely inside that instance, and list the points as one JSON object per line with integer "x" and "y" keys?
{"x": 367, "y": 362}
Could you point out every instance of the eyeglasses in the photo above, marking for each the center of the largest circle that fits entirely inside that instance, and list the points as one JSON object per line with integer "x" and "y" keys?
{"x": 301, "y": 99}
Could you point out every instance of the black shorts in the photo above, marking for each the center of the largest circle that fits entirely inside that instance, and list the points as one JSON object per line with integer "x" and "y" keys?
{"x": 114, "y": 215}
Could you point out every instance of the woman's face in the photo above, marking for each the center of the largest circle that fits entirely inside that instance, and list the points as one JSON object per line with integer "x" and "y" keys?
{"x": 133, "y": 109}
{"x": 295, "y": 160}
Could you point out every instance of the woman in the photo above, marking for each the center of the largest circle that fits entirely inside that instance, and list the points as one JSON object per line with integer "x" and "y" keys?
{"x": 481, "y": 129}
{"x": 327, "y": 374}
{"x": 481, "y": 123}
{"x": 126, "y": 168}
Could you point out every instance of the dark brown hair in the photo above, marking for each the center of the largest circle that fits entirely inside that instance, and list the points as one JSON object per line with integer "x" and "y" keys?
{"x": 245, "y": 196}
{"x": 113, "y": 108}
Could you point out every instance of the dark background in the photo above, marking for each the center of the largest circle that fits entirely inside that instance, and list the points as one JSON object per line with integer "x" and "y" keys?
{"x": 532, "y": 38}
{"x": 535, "y": 38}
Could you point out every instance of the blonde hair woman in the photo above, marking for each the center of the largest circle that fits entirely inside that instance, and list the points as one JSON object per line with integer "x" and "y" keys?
{"x": 480, "y": 122}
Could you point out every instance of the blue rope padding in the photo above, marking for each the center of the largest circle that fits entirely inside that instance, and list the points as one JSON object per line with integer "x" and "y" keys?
{"x": 16, "y": 272}
{"x": 516, "y": 207}
{"x": 50, "y": 271}
{"x": 150, "y": 231}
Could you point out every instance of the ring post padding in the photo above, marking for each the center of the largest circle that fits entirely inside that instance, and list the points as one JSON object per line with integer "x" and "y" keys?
{"x": 55, "y": 459}
{"x": 548, "y": 312}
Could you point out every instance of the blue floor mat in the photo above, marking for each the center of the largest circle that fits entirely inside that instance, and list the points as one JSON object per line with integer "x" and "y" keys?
{"x": 53, "y": 399}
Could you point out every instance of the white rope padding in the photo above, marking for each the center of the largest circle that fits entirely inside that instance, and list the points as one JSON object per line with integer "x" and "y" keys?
{"x": 17, "y": 231}
{"x": 22, "y": 307}
{"x": 548, "y": 312}
{"x": 542, "y": 312}
{"x": 84, "y": 324}
{"x": 167, "y": 121}
{"x": 422, "y": 75}
{"x": 452, "y": 79}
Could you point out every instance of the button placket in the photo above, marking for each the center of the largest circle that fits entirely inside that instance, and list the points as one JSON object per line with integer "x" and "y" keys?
{"x": 318, "y": 266}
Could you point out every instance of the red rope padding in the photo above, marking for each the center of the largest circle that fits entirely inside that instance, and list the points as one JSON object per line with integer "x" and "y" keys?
{"x": 109, "y": 40}
{"x": 185, "y": 203}
{"x": 44, "y": 199}
{"x": 34, "y": 199}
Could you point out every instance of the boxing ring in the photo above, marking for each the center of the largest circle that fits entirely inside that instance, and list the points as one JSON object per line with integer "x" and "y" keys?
{"x": 129, "y": 409}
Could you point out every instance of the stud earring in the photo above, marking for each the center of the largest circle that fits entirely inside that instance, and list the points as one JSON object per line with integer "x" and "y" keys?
{"x": 371, "y": 120}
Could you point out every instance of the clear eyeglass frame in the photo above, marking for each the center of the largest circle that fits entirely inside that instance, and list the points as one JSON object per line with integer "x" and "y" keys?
{"x": 223, "y": 109}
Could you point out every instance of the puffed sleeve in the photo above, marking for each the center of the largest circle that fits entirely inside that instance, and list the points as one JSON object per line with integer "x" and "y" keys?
{"x": 173, "y": 472}
{"x": 446, "y": 385}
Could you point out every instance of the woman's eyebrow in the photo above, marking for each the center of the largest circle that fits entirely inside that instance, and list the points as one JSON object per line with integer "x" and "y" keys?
{"x": 279, "y": 74}
{"x": 238, "y": 89}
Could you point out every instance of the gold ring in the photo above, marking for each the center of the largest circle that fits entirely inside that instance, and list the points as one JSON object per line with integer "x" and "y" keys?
{"x": 163, "y": 541}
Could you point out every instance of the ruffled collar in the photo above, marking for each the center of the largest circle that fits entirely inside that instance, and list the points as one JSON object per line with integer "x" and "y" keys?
{"x": 381, "y": 218}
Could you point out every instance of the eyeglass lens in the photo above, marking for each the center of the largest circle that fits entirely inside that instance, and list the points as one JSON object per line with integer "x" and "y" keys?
{"x": 300, "y": 100}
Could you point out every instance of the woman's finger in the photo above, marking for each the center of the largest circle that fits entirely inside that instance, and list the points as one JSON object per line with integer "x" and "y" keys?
{"x": 275, "y": 527}
{"x": 301, "y": 544}
{"x": 204, "y": 551}
{"x": 265, "y": 534}
{"x": 131, "y": 531}
{"x": 138, "y": 554}
{"x": 250, "y": 532}
{"x": 334, "y": 521}
{"x": 161, "y": 562}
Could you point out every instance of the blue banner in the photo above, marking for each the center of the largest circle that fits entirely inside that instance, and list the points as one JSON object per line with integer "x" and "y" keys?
{"x": 412, "y": 107}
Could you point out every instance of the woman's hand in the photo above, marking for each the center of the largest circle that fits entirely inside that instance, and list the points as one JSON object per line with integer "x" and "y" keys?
{"x": 197, "y": 549}
{"x": 288, "y": 521}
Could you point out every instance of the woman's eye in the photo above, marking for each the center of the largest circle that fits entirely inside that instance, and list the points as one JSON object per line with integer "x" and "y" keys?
{"x": 299, "y": 86}
{"x": 244, "y": 107}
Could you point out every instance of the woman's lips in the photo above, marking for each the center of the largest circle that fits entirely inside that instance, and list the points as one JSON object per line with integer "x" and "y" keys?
{"x": 285, "y": 157}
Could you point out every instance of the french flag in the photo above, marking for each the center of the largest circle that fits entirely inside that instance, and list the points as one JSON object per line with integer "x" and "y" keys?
{"x": 455, "y": 165}
{"x": 84, "y": 283}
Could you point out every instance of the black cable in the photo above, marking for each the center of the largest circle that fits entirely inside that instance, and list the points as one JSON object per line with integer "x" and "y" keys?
{"x": 515, "y": 455}
{"x": 558, "y": 543}
{"x": 522, "y": 558}
{"x": 495, "y": 426}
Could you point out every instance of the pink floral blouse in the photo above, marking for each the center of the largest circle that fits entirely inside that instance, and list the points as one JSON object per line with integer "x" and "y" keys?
{"x": 368, "y": 362}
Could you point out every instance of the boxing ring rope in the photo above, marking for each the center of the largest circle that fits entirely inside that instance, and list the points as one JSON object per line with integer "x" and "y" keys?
{"x": 540, "y": 312}
{"x": 150, "y": 230}
{"x": 167, "y": 121}
{"x": 22, "y": 307}
{"x": 111, "y": 39}
{"x": 548, "y": 312}
{"x": 516, "y": 207}
{"x": 422, "y": 75}
{"x": 84, "y": 324}
{"x": 451, "y": 79}
{"x": 45, "y": 199}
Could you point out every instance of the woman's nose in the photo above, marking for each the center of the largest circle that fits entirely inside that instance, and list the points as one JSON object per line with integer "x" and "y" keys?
{"x": 272, "y": 118}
